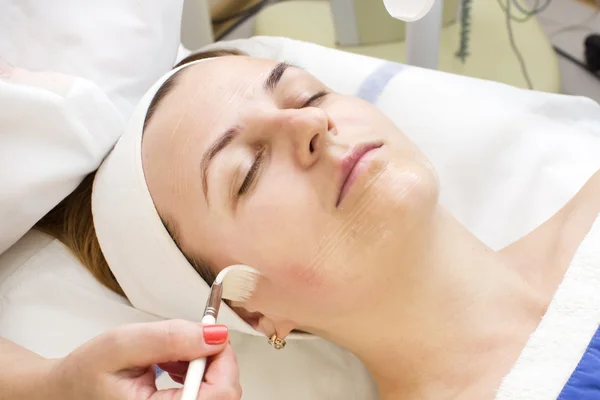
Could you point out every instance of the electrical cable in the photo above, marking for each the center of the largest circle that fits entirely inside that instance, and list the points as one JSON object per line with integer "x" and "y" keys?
{"x": 242, "y": 17}
{"x": 233, "y": 27}
{"x": 465, "y": 31}
{"x": 516, "y": 50}
{"x": 528, "y": 14}
{"x": 591, "y": 64}
{"x": 465, "y": 18}
{"x": 250, "y": 10}
{"x": 523, "y": 10}
{"x": 575, "y": 61}
{"x": 569, "y": 57}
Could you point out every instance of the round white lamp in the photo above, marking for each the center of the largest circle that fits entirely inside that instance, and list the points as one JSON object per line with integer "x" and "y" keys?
{"x": 408, "y": 10}
{"x": 422, "y": 37}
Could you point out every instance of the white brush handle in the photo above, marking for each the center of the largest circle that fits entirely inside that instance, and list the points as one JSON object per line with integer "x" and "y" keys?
{"x": 195, "y": 372}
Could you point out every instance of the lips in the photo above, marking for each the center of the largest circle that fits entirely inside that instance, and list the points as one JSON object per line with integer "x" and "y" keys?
{"x": 348, "y": 165}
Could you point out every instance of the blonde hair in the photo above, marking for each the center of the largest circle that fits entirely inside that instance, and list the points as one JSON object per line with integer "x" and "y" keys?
{"x": 72, "y": 223}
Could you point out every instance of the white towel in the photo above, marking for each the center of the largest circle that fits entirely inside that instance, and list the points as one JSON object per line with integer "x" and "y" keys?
{"x": 555, "y": 350}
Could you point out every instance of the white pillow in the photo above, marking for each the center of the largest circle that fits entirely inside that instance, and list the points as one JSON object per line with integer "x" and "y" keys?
{"x": 56, "y": 128}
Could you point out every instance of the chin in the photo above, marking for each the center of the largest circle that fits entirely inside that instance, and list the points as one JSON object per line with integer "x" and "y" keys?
{"x": 407, "y": 187}
{"x": 402, "y": 198}
{"x": 390, "y": 200}
{"x": 376, "y": 234}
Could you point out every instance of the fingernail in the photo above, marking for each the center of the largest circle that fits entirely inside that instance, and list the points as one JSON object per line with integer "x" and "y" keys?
{"x": 215, "y": 334}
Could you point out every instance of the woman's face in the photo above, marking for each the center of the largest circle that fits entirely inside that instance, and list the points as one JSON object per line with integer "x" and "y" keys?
{"x": 258, "y": 163}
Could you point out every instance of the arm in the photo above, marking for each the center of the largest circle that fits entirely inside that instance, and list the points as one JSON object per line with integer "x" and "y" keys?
{"x": 23, "y": 372}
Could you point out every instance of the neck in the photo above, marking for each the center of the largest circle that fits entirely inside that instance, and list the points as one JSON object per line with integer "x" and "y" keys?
{"x": 450, "y": 328}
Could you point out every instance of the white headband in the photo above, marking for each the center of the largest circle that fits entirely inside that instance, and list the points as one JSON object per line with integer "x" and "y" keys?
{"x": 152, "y": 271}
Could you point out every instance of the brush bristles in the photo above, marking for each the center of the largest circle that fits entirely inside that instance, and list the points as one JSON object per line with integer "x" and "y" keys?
{"x": 239, "y": 282}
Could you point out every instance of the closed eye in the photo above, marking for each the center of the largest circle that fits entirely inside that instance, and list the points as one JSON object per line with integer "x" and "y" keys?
{"x": 254, "y": 169}
{"x": 315, "y": 99}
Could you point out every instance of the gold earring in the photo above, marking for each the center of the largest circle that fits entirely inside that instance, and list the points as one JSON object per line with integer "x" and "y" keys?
{"x": 277, "y": 342}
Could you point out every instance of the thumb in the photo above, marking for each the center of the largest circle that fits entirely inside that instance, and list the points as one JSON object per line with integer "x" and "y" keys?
{"x": 145, "y": 344}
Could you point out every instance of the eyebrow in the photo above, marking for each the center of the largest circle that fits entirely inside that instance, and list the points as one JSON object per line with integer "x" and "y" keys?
{"x": 270, "y": 84}
{"x": 275, "y": 76}
{"x": 211, "y": 153}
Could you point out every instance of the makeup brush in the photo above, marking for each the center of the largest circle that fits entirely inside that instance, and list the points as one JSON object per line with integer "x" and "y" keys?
{"x": 235, "y": 283}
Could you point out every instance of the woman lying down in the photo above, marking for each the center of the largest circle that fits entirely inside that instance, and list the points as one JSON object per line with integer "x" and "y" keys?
{"x": 246, "y": 161}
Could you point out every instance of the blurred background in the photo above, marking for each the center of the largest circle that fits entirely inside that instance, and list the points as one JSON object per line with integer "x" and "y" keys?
{"x": 547, "y": 45}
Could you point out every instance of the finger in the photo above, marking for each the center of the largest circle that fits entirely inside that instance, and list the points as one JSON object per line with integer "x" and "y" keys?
{"x": 177, "y": 368}
{"x": 222, "y": 370}
{"x": 205, "y": 394}
{"x": 221, "y": 380}
{"x": 168, "y": 394}
{"x": 139, "y": 345}
{"x": 178, "y": 378}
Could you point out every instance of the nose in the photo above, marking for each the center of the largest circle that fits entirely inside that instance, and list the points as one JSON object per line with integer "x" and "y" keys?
{"x": 306, "y": 131}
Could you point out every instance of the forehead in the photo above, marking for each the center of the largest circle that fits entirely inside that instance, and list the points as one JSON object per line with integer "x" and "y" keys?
{"x": 207, "y": 95}
{"x": 222, "y": 74}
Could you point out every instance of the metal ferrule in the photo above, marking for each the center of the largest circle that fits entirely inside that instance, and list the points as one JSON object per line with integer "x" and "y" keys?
{"x": 214, "y": 301}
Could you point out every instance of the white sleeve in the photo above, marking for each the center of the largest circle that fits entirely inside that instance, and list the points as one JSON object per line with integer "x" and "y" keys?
{"x": 55, "y": 127}
{"x": 54, "y": 130}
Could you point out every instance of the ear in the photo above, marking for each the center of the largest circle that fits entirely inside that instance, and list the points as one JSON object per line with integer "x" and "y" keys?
{"x": 264, "y": 324}
{"x": 251, "y": 318}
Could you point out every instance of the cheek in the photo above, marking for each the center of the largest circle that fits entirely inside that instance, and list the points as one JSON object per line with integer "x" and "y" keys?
{"x": 404, "y": 196}
{"x": 282, "y": 224}
{"x": 375, "y": 233}
{"x": 291, "y": 283}
{"x": 290, "y": 291}
{"x": 357, "y": 117}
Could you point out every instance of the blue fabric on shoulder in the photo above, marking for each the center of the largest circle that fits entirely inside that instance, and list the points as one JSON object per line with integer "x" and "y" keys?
{"x": 584, "y": 383}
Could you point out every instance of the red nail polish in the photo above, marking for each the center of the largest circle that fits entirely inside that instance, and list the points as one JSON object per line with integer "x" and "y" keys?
{"x": 215, "y": 334}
